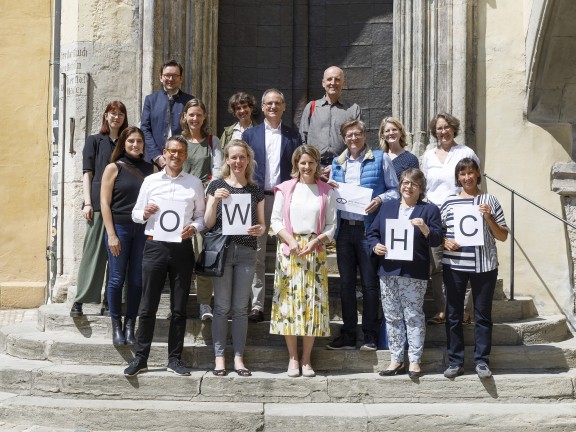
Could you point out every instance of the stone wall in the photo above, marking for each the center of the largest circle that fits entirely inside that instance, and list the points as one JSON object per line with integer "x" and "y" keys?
{"x": 289, "y": 44}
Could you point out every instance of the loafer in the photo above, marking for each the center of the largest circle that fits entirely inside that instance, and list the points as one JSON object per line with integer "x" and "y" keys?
{"x": 341, "y": 343}
{"x": 453, "y": 371}
{"x": 483, "y": 371}
{"x": 414, "y": 374}
{"x": 76, "y": 310}
{"x": 256, "y": 315}
{"x": 308, "y": 372}
{"x": 293, "y": 373}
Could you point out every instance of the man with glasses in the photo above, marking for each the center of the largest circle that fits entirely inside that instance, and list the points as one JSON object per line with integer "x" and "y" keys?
{"x": 360, "y": 166}
{"x": 161, "y": 194}
{"x": 273, "y": 144}
{"x": 322, "y": 118}
{"x": 162, "y": 112}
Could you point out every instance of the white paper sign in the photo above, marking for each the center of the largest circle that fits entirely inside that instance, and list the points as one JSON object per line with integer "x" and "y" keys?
{"x": 399, "y": 239}
{"x": 468, "y": 226}
{"x": 351, "y": 198}
{"x": 236, "y": 214}
{"x": 169, "y": 221}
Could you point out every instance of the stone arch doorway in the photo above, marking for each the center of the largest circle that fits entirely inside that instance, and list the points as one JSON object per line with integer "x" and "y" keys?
{"x": 287, "y": 44}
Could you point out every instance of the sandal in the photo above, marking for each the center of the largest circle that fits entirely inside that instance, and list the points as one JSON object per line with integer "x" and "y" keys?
{"x": 243, "y": 372}
{"x": 219, "y": 372}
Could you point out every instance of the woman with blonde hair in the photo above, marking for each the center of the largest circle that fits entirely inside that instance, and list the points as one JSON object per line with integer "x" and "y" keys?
{"x": 232, "y": 290}
{"x": 304, "y": 219}
{"x": 393, "y": 141}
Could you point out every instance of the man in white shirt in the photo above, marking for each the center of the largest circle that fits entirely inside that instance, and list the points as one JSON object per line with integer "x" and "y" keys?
{"x": 273, "y": 144}
{"x": 176, "y": 258}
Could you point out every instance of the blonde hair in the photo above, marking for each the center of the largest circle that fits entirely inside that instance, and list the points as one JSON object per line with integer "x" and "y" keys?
{"x": 250, "y": 167}
{"x": 309, "y": 150}
{"x": 392, "y": 120}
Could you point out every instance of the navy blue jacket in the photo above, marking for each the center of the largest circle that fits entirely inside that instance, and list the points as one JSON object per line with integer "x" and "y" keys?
{"x": 255, "y": 137}
{"x": 419, "y": 267}
{"x": 155, "y": 119}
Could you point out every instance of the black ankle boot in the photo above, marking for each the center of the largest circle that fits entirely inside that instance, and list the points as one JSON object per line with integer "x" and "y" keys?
{"x": 117, "y": 333}
{"x": 129, "y": 331}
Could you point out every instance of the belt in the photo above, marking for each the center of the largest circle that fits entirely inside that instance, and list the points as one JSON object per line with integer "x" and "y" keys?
{"x": 352, "y": 222}
{"x": 269, "y": 193}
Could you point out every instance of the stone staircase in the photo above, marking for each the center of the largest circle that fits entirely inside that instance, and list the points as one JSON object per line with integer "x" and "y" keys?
{"x": 60, "y": 373}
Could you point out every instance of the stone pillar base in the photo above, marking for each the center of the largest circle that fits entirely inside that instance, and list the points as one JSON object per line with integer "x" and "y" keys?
{"x": 22, "y": 295}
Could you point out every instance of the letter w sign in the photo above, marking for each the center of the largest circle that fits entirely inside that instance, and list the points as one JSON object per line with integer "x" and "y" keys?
{"x": 236, "y": 214}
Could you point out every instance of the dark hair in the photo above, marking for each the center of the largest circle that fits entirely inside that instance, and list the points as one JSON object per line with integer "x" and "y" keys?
{"x": 204, "y": 129}
{"x": 351, "y": 123}
{"x": 114, "y": 105}
{"x": 383, "y": 144}
{"x": 239, "y": 99}
{"x": 250, "y": 168}
{"x": 452, "y": 121}
{"x": 273, "y": 90}
{"x": 179, "y": 139}
{"x": 171, "y": 63}
{"x": 120, "y": 149}
{"x": 467, "y": 163}
{"x": 414, "y": 175}
{"x": 309, "y": 150}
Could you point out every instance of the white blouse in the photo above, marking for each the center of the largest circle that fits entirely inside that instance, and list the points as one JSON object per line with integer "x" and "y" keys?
{"x": 440, "y": 177}
{"x": 304, "y": 211}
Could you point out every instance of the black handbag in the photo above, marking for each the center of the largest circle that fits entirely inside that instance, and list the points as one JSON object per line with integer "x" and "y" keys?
{"x": 213, "y": 255}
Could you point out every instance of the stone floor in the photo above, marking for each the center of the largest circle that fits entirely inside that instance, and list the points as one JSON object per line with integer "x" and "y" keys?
{"x": 14, "y": 316}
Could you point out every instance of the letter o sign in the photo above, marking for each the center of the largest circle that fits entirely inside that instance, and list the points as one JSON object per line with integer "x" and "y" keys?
{"x": 169, "y": 221}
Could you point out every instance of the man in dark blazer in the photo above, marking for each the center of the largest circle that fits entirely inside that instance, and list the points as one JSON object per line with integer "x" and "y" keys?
{"x": 273, "y": 144}
{"x": 162, "y": 112}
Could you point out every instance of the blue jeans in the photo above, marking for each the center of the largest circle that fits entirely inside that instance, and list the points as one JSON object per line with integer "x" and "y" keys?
{"x": 128, "y": 263}
{"x": 352, "y": 251}
{"x": 231, "y": 297}
{"x": 483, "y": 285}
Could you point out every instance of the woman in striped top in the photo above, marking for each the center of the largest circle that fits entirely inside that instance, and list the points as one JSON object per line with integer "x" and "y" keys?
{"x": 475, "y": 264}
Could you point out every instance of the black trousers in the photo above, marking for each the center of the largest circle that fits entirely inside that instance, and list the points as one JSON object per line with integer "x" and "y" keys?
{"x": 176, "y": 260}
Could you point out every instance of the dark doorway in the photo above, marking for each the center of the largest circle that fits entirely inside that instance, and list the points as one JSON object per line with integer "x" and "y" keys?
{"x": 287, "y": 45}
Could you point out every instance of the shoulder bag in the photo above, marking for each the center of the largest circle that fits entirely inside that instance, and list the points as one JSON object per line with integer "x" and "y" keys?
{"x": 213, "y": 256}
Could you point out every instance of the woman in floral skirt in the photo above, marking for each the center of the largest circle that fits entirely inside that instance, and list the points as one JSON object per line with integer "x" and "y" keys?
{"x": 303, "y": 217}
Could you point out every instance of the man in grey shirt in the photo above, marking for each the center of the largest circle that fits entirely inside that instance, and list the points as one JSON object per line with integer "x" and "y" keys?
{"x": 322, "y": 118}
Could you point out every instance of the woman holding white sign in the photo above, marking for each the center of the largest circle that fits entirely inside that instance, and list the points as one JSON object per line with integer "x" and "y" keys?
{"x": 232, "y": 290}
{"x": 403, "y": 281}
{"x": 475, "y": 264}
{"x": 304, "y": 219}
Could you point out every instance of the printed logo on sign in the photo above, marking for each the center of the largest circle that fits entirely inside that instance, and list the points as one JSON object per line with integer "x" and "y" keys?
{"x": 341, "y": 200}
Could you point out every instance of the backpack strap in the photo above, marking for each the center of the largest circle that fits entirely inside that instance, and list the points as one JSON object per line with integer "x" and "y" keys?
{"x": 312, "y": 107}
{"x": 130, "y": 169}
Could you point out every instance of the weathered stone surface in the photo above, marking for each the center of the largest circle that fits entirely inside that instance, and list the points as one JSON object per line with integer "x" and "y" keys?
{"x": 134, "y": 415}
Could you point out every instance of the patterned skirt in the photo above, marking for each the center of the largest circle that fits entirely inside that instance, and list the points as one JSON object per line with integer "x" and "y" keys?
{"x": 300, "y": 302}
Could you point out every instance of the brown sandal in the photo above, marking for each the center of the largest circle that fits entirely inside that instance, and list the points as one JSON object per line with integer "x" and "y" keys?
{"x": 219, "y": 372}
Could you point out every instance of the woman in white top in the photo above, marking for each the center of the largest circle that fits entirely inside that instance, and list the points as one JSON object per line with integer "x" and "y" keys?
{"x": 304, "y": 219}
{"x": 438, "y": 165}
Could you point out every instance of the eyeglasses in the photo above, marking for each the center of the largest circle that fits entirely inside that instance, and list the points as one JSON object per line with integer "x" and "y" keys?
{"x": 442, "y": 129}
{"x": 273, "y": 103}
{"x": 353, "y": 135}
{"x": 171, "y": 76}
{"x": 175, "y": 152}
{"x": 409, "y": 184}
{"x": 115, "y": 114}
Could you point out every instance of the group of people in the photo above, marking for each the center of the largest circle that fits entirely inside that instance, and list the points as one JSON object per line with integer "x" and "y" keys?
{"x": 132, "y": 175}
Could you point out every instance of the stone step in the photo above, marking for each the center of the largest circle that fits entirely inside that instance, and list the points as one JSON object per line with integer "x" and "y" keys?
{"x": 55, "y": 318}
{"x": 26, "y": 342}
{"x": 44, "y": 378}
{"x": 152, "y": 415}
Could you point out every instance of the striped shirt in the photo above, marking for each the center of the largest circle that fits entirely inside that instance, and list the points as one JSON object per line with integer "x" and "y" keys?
{"x": 475, "y": 259}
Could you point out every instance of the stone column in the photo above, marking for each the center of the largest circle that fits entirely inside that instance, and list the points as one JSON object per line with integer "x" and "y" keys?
{"x": 564, "y": 183}
{"x": 433, "y": 67}
{"x": 99, "y": 62}
{"x": 205, "y": 56}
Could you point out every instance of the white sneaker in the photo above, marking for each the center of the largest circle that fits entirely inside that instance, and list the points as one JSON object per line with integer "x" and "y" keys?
{"x": 205, "y": 312}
